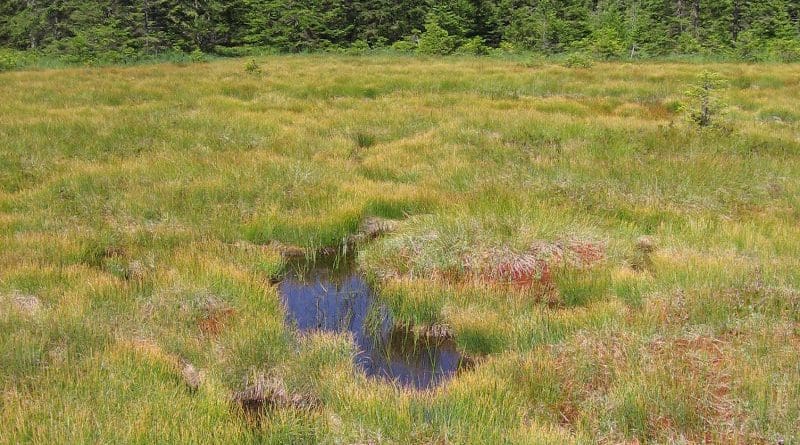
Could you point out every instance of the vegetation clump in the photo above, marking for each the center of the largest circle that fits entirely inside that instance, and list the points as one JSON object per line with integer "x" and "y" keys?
{"x": 8, "y": 61}
{"x": 252, "y": 67}
{"x": 198, "y": 56}
{"x": 703, "y": 106}
{"x": 578, "y": 60}
{"x": 271, "y": 394}
{"x": 435, "y": 40}
{"x": 373, "y": 227}
{"x": 435, "y": 256}
{"x": 643, "y": 256}
{"x": 606, "y": 44}
{"x": 475, "y": 47}
{"x": 405, "y": 46}
{"x": 358, "y": 48}
{"x": 192, "y": 376}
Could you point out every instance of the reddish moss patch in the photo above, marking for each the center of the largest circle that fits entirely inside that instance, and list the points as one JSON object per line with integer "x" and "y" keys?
{"x": 214, "y": 319}
{"x": 534, "y": 268}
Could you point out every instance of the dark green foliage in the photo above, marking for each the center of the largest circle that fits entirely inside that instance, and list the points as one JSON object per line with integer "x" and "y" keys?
{"x": 114, "y": 31}
{"x": 297, "y": 25}
{"x": 435, "y": 39}
{"x": 383, "y": 22}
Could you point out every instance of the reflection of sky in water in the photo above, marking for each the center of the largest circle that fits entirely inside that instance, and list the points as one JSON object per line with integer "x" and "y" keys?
{"x": 341, "y": 301}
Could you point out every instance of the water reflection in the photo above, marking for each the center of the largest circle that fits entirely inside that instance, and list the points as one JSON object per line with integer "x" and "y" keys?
{"x": 336, "y": 298}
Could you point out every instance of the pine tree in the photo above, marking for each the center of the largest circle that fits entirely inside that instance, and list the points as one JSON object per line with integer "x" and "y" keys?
{"x": 297, "y": 25}
{"x": 121, "y": 29}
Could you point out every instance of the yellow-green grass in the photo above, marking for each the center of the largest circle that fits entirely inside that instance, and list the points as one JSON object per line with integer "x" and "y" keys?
{"x": 138, "y": 203}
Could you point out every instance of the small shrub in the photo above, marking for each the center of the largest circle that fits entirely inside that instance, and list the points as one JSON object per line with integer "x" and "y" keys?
{"x": 236, "y": 51}
{"x": 379, "y": 42}
{"x": 474, "y": 46}
{"x": 673, "y": 106}
{"x": 198, "y": 56}
{"x": 578, "y": 60}
{"x": 749, "y": 47}
{"x": 79, "y": 49}
{"x": 358, "y": 48}
{"x": 703, "y": 107}
{"x": 8, "y": 61}
{"x": 404, "y": 46}
{"x": 252, "y": 67}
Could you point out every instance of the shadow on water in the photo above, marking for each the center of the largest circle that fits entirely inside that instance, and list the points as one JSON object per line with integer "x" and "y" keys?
{"x": 334, "y": 297}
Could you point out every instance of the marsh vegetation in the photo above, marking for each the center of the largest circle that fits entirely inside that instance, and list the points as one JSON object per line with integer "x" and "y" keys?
{"x": 623, "y": 275}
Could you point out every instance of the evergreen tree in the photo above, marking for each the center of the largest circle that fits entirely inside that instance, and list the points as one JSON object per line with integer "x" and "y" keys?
{"x": 88, "y": 30}
{"x": 297, "y": 25}
{"x": 386, "y": 21}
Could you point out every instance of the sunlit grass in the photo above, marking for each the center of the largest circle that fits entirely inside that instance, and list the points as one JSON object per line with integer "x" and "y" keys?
{"x": 141, "y": 207}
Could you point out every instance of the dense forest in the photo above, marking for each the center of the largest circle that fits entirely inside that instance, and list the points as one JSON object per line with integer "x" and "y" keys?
{"x": 119, "y": 30}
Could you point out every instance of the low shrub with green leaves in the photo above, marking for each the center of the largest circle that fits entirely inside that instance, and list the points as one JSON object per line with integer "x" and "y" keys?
{"x": 404, "y": 46}
{"x": 358, "y": 48}
{"x": 252, "y": 67}
{"x": 198, "y": 56}
{"x": 578, "y": 60}
{"x": 474, "y": 46}
{"x": 8, "y": 60}
{"x": 704, "y": 105}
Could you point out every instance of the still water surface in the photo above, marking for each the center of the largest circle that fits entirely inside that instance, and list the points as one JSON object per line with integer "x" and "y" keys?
{"x": 335, "y": 298}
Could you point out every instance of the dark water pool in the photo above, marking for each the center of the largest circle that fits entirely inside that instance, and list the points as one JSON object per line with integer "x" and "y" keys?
{"x": 328, "y": 297}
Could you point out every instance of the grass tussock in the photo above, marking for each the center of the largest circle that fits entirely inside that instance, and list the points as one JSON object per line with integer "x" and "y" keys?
{"x": 622, "y": 276}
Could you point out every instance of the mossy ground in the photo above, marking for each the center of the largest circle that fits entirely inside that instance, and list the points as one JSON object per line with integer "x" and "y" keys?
{"x": 134, "y": 204}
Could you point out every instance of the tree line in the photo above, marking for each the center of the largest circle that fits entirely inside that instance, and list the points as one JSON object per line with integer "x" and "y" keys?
{"x": 128, "y": 29}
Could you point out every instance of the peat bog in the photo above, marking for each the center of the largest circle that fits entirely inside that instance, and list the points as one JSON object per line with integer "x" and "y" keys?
{"x": 142, "y": 209}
